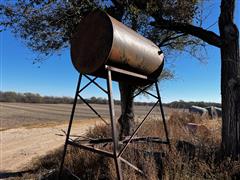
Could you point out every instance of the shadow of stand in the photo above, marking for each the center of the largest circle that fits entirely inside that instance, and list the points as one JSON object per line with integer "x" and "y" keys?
{"x": 5, "y": 174}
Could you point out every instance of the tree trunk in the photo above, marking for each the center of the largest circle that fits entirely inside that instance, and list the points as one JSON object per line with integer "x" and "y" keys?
{"x": 126, "y": 120}
{"x": 230, "y": 81}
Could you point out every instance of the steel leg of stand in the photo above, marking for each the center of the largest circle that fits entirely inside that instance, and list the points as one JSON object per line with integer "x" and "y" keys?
{"x": 69, "y": 127}
{"x": 162, "y": 113}
{"x": 114, "y": 127}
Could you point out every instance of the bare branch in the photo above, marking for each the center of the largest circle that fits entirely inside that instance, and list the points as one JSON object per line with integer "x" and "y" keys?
{"x": 170, "y": 38}
{"x": 207, "y": 36}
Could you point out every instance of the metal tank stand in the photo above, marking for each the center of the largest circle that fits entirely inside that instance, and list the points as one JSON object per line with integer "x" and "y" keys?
{"x": 119, "y": 147}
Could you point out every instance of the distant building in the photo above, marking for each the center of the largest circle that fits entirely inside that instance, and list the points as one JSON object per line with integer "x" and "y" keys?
{"x": 212, "y": 111}
{"x": 198, "y": 110}
{"x": 219, "y": 111}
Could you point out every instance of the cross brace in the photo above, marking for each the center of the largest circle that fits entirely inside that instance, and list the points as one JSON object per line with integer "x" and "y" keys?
{"x": 88, "y": 144}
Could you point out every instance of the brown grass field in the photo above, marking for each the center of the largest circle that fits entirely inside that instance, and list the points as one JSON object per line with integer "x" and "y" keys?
{"x": 23, "y": 124}
{"x": 194, "y": 154}
{"x": 200, "y": 160}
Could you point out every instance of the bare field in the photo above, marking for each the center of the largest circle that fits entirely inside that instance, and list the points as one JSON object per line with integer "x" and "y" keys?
{"x": 14, "y": 115}
{"x": 32, "y": 130}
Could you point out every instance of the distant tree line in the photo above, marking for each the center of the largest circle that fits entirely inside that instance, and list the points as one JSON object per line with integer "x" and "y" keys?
{"x": 28, "y": 97}
{"x": 32, "y": 98}
{"x": 186, "y": 105}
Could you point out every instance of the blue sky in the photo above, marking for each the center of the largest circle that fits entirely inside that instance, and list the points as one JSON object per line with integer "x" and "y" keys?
{"x": 195, "y": 81}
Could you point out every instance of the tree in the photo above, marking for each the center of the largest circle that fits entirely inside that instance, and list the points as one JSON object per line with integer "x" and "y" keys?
{"x": 46, "y": 27}
{"x": 139, "y": 20}
{"x": 228, "y": 43}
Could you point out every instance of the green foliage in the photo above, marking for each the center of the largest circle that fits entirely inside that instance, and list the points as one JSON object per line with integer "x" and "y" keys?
{"x": 47, "y": 26}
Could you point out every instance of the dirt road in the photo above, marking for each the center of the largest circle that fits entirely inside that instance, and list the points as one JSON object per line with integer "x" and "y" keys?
{"x": 22, "y": 139}
{"x": 20, "y": 145}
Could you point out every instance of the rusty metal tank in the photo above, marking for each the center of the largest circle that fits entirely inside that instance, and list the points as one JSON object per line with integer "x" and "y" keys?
{"x": 101, "y": 40}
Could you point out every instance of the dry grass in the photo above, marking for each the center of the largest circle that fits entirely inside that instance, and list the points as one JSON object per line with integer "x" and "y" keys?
{"x": 193, "y": 155}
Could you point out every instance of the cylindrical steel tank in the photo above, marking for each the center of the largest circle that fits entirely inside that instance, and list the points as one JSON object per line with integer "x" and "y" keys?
{"x": 101, "y": 40}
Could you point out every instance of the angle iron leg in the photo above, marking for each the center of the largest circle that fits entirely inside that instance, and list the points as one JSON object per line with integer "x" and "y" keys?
{"x": 114, "y": 126}
{"x": 69, "y": 126}
{"x": 163, "y": 116}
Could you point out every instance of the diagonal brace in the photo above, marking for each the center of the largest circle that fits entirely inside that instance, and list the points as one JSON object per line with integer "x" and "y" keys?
{"x": 104, "y": 90}
{"x": 135, "y": 132}
{"x": 93, "y": 109}
{"x": 91, "y": 81}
